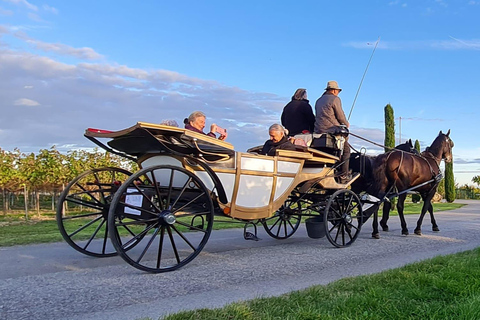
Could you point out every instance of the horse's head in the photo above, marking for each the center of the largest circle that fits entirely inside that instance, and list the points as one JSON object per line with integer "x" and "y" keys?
{"x": 446, "y": 145}
{"x": 407, "y": 146}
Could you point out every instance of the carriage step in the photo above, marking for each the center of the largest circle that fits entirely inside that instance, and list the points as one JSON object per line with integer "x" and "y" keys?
{"x": 247, "y": 235}
{"x": 250, "y": 236}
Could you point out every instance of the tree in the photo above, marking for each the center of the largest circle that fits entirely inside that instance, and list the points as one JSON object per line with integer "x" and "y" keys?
{"x": 389, "y": 128}
{"x": 476, "y": 180}
{"x": 417, "y": 145}
{"x": 449, "y": 182}
{"x": 416, "y": 197}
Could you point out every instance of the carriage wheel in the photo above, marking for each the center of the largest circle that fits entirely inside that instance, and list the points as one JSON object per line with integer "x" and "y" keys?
{"x": 171, "y": 212}
{"x": 286, "y": 220}
{"x": 343, "y": 218}
{"x": 82, "y": 210}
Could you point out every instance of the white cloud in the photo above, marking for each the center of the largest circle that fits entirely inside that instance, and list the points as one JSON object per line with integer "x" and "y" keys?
{"x": 47, "y": 8}
{"x": 62, "y": 49}
{"x": 25, "y": 3}
{"x": 4, "y": 12}
{"x": 26, "y": 102}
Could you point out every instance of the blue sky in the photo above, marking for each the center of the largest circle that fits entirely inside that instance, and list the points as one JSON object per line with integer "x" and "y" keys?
{"x": 69, "y": 65}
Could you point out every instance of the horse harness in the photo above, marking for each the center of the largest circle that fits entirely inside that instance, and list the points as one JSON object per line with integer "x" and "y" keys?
{"x": 435, "y": 177}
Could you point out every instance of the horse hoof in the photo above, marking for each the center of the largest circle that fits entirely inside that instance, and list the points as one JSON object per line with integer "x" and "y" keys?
{"x": 435, "y": 229}
{"x": 375, "y": 236}
{"x": 405, "y": 233}
{"x": 384, "y": 226}
{"x": 418, "y": 232}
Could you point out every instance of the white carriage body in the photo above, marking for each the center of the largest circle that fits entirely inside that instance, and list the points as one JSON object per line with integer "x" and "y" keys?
{"x": 255, "y": 185}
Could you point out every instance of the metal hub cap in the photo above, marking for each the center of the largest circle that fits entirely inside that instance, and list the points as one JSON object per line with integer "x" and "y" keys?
{"x": 168, "y": 217}
{"x": 348, "y": 218}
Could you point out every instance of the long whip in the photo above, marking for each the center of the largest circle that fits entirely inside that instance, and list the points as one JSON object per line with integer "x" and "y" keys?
{"x": 363, "y": 77}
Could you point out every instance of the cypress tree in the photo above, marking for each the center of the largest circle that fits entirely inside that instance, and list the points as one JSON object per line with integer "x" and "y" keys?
{"x": 449, "y": 182}
{"x": 417, "y": 145}
{"x": 389, "y": 128}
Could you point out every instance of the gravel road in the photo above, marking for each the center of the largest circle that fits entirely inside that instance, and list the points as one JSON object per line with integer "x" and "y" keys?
{"x": 53, "y": 281}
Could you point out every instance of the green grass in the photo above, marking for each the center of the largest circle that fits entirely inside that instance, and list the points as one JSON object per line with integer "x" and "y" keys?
{"x": 14, "y": 230}
{"x": 416, "y": 208}
{"x": 445, "y": 287}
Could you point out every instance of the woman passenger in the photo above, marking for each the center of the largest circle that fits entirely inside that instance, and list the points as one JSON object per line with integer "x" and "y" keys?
{"x": 278, "y": 140}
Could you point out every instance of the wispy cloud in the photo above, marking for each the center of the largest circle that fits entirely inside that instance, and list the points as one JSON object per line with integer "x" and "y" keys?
{"x": 23, "y": 3}
{"x": 398, "y": 3}
{"x": 4, "y": 12}
{"x": 84, "y": 53}
{"x": 25, "y": 102}
{"x": 452, "y": 44}
{"x": 50, "y": 9}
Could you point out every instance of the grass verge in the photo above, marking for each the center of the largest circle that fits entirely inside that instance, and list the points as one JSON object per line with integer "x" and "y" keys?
{"x": 446, "y": 287}
{"x": 14, "y": 230}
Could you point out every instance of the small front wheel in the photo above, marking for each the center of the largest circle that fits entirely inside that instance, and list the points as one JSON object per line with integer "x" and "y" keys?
{"x": 343, "y": 218}
{"x": 286, "y": 220}
{"x": 170, "y": 213}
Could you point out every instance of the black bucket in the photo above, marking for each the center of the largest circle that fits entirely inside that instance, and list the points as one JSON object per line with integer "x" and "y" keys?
{"x": 315, "y": 227}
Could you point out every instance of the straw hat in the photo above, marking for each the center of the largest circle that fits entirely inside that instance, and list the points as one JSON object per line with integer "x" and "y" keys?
{"x": 332, "y": 85}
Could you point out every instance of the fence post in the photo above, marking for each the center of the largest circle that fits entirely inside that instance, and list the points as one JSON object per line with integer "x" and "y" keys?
{"x": 26, "y": 200}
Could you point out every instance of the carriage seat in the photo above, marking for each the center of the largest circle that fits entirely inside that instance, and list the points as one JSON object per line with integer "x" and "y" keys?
{"x": 325, "y": 142}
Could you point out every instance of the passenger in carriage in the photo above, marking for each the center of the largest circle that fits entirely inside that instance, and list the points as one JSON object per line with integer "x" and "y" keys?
{"x": 297, "y": 116}
{"x": 196, "y": 122}
{"x": 278, "y": 140}
{"x": 329, "y": 116}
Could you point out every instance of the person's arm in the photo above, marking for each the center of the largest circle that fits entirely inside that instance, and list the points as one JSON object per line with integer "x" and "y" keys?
{"x": 339, "y": 114}
{"x": 310, "y": 117}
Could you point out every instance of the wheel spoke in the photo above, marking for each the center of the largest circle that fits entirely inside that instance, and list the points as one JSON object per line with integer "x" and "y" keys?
{"x": 85, "y": 203}
{"x": 183, "y": 237}
{"x": 191, "y": 227}
{"x": 77, "y": 216}
{"x": 149, "y": 243}
{"x": 85, "y": 226}
{"x": 174, "y": 246}
{"x": 94, "y": 233}
{"x": 138, "y": 237}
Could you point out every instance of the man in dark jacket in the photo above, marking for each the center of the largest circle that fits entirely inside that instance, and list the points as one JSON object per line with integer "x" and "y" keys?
{"x": 297, "y": 116}
{"x": 329, "y": 116}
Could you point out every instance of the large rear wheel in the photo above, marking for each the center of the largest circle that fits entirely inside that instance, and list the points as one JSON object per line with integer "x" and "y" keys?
{"x": 171, "y": 213}
{"x": 83, "y": 207}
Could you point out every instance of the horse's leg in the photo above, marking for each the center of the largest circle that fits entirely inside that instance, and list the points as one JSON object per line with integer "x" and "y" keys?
{"x": 387, "y": 205}
{"x": 432, "y": 219}
{"x": 400, "y": 207}
{"x": 427, "y": 202}
{"x": 375, "y": 233}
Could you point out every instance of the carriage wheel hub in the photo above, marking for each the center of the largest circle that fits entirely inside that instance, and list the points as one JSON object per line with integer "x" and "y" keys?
{"x": 168, "y": 217}
{"x": 348, "y": 218}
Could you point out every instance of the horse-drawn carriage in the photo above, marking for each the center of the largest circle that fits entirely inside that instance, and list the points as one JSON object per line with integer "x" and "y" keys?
{"x": 160, "y": 218}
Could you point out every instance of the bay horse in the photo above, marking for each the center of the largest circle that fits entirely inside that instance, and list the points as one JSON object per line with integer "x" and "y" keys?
{"x": 397, "y": 172}
{"x": 364, "y": 165}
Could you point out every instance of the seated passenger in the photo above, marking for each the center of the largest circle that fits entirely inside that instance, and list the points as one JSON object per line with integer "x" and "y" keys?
{"x": 169, "y": 122}
{"x": 297, "y": 116}
{"x": 196, "y": 122}
{"x": 278, "y": 140}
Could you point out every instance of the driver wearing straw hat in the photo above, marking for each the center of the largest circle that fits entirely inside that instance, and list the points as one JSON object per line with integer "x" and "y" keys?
{"x": 329, "y": 116}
